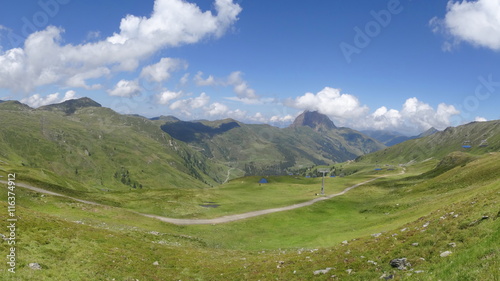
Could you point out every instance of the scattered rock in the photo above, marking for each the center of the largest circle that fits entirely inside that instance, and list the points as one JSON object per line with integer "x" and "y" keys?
{"x": 452, "y": 244}
{"x": 349, "y": 271}
{"x": 414, "y": 244}
{"x": 376, "y": 235}
{"x": 156, "y": 263}
{"x": 419, "y": 271}
{"x": 445, "y": 254}
{"x": 387, "y": 277}
{"x": 426, "y": 224}
{"x": 35, "y": 266}
{"x": 485, "y": 217}
{"x": 322, "y": 271}
{"x": 280, "y": 264}
{"x": 400, "y": 263}
{"x": 372, "y": 262}
{"x": 154, "y": 233}
{"x": 404, "y": 229}
{"x": 345, "y": 242}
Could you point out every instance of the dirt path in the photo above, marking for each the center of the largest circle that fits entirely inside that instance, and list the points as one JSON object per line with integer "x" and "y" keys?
{"x": 40, "y": 190}
{"x": 237, "y": 217}
{"x": 224, "y": 219}
{"x": 228, "y": 175}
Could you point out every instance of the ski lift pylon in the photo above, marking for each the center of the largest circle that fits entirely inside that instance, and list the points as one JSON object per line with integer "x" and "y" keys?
{"x": 466, "y": 144}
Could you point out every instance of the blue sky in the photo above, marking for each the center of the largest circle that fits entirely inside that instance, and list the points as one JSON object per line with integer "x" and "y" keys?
{"x": 393, "y": 65}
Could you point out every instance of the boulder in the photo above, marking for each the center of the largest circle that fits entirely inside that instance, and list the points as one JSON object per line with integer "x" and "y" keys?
{"x": 322, "y": 271}
{"x": 35, "y": 266}
{"x": 445, "y": 254}
{"x": 401, "y": 263}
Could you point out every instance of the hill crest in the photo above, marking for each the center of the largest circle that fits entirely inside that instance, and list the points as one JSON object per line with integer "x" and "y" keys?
{"x": 71, "y": 106}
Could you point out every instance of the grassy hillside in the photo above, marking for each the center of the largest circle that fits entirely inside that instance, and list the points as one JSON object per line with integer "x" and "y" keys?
{"x": 413, "y": 216}
{"x": 482, "y": 137}
{"x": 94, "y": 149}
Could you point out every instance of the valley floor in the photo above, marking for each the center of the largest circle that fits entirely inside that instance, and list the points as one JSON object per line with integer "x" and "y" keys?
{"x": 224, "y": 219}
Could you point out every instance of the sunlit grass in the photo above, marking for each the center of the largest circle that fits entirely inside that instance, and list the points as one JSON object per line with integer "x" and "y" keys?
{"x": 75, "y": 241}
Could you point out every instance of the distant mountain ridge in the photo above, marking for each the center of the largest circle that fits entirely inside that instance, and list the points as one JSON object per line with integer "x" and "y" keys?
{"x": 169, "y": 118}
{"x": 190, "y": 131}
{"x": 70, "y": 106}
{"x": 429, "y": 132}
{"x": 93, "y": 144}
{"x": 14, "y": 106}
{"x": 473, "y": 138}
{"x": 390, "y": 138}
{"x": 312, "y": 139}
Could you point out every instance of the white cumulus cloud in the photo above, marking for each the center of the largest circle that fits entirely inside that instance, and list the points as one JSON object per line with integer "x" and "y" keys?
{"x": 167, "y": 96}
{"x": 37, "y": 100}
{"x": 244, "y": 93}
{"x": 162, "y": 70}
{"x": 414, "y": 117}
{"x": 45, "y": 59}
{"x": 126, "y": 89}
{"x": 187, "y": 105}
{"x": 276, "y": 119}
{"x": 331, "y": 102}
{"x": 475, "y": 22}
{"x": 241, "y": 87}
{"x": 200, "y": 81}
{"x": 217, "y": 109}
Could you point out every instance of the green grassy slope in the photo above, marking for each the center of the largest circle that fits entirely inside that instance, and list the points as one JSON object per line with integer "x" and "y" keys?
{"x": 95, "y": 149}
{"x": 452, "y": 209}
{"x": 442, "y": 143}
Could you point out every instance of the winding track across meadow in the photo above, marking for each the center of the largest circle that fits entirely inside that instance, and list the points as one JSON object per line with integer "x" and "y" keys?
{"x": 224, "y": 219}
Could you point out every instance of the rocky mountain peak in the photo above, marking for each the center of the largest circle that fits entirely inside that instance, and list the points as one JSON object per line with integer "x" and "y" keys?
{"x": 315, "y": 120}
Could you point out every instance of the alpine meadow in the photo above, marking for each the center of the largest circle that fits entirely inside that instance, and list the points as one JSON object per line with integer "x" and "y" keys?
{"x": 249, "y": 140}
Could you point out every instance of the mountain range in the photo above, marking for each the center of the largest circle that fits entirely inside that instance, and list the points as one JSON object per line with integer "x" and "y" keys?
{"x": 258, "y": 149}
{"x": 437, "y": 213}
{"x": 390, "y": 138}
{"x": 473, "y": 138}
{"x": 80, "y": 144}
